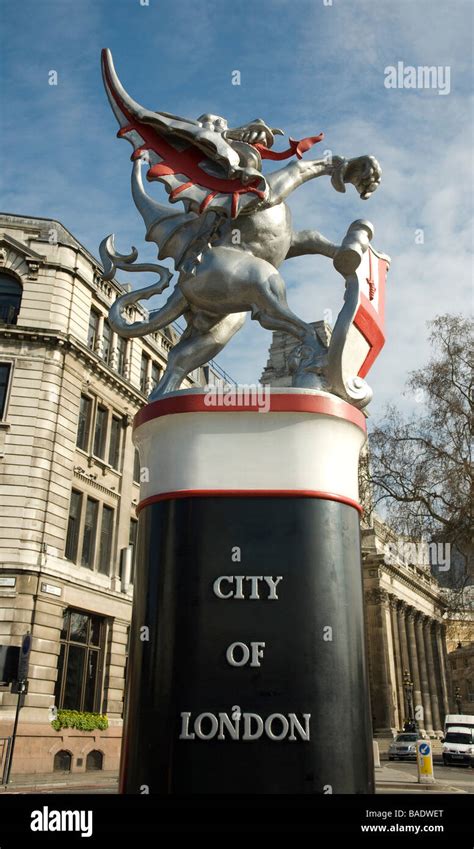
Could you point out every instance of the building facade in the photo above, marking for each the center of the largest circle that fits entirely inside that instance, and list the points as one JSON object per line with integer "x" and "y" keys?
{"x": 69, "y": 485}
{"x": 461, "y": 664}
{"x": 406, "y": 637}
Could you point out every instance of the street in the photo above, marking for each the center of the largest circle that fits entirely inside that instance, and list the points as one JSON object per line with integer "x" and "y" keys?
{"x": 460, "y": 778}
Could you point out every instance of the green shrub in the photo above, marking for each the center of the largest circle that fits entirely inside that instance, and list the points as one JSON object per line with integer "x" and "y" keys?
{"x": 80, "y": 719}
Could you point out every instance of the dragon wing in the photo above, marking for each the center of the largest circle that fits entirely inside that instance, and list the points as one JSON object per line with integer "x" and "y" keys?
{"x": 196, "y": 165}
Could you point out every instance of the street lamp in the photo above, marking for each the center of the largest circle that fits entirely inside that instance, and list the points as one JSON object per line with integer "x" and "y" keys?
{"x": 410, "y": 724}
{"x": 458, "y": 699}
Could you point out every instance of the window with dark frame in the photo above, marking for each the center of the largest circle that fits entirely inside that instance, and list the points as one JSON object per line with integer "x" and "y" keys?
{"x": 5, "y": 369}
{"x": 100, "y": 431}
{"x": 107, "y": 343}
{"x": 106, "y": 536}
{"x": 121, "y": 354}
{"x": 136, "y": 466}
{"x": 132, "y": 541}
{"x": 89, "y": 535}
{"x": 92, "y": 334}
{"x": 72, "y": 535}
{"x": 155, "y": 374}
{"x": 84, "y": 423}
{"x": 144, "y": 372}
{"x": 115, "y": 442}
{"x": 78, "y": 686}
{"x": 11, "y": 292}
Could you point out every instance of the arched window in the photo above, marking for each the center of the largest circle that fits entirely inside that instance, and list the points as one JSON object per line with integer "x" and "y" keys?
{"x": 62, "y": 761}
{"x": 10, "y": 299}
{"x": 94, "y": 760}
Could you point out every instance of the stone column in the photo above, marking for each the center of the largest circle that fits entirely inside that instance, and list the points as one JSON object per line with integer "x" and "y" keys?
{"x": 440, "y": 647}
{"x": 414, "y": 666}
{"x": 381, "y": 690}
{"x": 397, "y": 652}
{"x": 425, "y": 686}
{"x": 402, "y": 632}
{"x": 449, "y": 678}
{"x": 432, "y": 676}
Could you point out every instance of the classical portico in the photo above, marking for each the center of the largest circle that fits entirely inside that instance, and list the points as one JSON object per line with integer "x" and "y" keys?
{"x": 405, "y": 633}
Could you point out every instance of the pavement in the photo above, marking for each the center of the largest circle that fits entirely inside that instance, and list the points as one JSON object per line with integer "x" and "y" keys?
{"x": 97, "y": 782}
{"x": 390, "y": 777}
{"x": 402, "y": 777}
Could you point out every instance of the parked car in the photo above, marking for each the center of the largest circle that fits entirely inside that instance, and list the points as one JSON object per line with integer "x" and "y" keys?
{"x": 403, "y": 747}
{"x": 458, "y": 746}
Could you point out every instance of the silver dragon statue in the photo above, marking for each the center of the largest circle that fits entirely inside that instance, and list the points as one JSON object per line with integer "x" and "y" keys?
{"x": 228, "y": 238}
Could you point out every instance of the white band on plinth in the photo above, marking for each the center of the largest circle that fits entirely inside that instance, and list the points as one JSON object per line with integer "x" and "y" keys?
{"x": 306, "y": 444}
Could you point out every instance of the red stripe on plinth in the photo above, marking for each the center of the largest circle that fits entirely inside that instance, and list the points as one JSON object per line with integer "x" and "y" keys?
{"x": 247, "y": 493}
{"x": 279, "y": 403}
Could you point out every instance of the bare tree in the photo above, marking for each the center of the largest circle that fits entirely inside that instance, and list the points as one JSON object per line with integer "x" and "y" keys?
{"x": 421, "y": 466}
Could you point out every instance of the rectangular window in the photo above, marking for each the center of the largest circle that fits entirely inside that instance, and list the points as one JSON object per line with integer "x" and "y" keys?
{"x": 155, "y": 374}
{"x": 136, "y": 466}
{"x": 93, "y": 329}
{"x": 106, "y": 343}
{"x": 80, "y": 662}
{"x": 4, "y": 379}
{"x": 74, "y": 678}
{"x": 84, "y": 424}
{"x": 144, "y": 372}
{"x": 106, "y": 534}
{"x": 132, "y": 541}
{"x": 90, "y": 529}
{"x": 121, "y": 354}
{"x": 100, "y": 433}
{"x": 114, "y": 444}
{"x": 72, "y": 536}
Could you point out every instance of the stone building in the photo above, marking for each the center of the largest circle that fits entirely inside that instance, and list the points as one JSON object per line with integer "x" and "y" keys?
{"x": 461, "y": 664}
{"x": 405, "y": 610}
{"x": 406, "y": 632}
{"x": 69, "y": 484}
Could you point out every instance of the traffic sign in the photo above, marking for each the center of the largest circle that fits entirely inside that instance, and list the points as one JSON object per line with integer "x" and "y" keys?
{"x": 424, "y": 760}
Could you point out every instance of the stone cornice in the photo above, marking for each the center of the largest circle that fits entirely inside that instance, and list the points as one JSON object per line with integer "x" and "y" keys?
{"x": 102, "y": 289}
{"x": 378, "y": 595}
{"x": 32, "y": 260}
{"x": 20, "y": 248}
{"x": 90, "y": 480}
{"x": 65, "y": 342}
{"x": 427, "y": 586}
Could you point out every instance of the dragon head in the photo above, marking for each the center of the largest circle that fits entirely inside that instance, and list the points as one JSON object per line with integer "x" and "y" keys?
{"x": 243, "y": 140}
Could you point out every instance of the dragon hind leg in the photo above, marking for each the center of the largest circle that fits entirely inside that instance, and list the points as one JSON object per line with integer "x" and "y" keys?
{"x": 194, "y": 350}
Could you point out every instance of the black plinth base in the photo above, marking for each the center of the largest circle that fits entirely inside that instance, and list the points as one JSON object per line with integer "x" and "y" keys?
{"x": 313, "y": 661}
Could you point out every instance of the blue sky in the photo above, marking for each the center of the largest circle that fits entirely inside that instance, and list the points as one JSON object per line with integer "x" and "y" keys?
{"x": 305, "y": 67}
